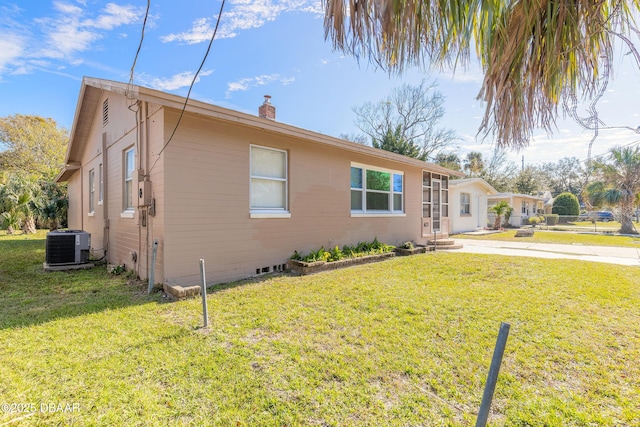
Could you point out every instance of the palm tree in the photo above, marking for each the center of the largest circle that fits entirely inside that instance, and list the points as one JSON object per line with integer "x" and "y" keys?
{"x": 16, "y": 197}
{"x": 448, "y": 160}
{"x": 501, "y": 208}
{"x": 618, "y": 184}
{"x": 473, "y": 164}
{"x": 532, "y": 52}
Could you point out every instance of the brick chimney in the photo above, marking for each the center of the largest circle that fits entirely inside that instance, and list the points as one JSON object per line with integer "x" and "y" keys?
{"x": 266, "y": 110}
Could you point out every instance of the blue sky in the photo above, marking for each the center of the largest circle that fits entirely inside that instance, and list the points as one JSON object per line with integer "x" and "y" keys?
{"x": 274, "y": 47}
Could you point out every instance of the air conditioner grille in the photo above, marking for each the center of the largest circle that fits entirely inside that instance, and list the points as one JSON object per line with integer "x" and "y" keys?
{"x": 67, "y": 247}
{"x": 61, "y": 249}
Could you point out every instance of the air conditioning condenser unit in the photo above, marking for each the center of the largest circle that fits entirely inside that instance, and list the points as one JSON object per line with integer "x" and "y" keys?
{"x": 67, "y": 247}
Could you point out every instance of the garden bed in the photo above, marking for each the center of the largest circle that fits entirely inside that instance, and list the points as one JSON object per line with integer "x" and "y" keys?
{"x": 302, "y": 268}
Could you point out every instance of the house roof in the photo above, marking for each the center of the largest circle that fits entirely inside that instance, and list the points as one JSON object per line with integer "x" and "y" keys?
{"x": 510, "y": 195}
{"x": 469, "y": 181}
{"x": 92, "y": 89}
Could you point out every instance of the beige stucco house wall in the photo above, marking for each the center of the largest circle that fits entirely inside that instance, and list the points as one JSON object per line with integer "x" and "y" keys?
{"x": 240, "y": 191}
{"x": 469, "y": 206}
{"x": 524, "y": 206}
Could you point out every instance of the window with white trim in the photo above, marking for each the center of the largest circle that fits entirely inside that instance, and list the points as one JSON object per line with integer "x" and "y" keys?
{"x": 269, "y": 181}
{"x": 376, "y": 190}
{"x": 465, "y": 204}
{"x": 100, "y": 185}
{"x": 129, "y": 166}
{"x": 92, "y": 191}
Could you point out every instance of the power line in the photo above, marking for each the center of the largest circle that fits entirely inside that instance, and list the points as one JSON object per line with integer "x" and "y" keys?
{"x": 195, "y": 76}
{"x": 135, "y": 59}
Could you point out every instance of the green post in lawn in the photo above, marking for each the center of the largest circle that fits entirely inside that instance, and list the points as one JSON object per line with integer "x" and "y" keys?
{"x": 205, "y": 311}
{"x": 152, "y": 273}
{"x": 492, "y": 379}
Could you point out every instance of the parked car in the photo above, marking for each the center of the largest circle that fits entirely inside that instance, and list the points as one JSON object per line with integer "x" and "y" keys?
{"x": 604, "y": 216}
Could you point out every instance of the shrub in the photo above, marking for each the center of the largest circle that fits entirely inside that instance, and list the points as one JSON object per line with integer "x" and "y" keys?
{"x": 535, "y": 220}
{"x": 552, "y": 219}
{"x": 406, "y": 245}
{"x": 347, "y": 251}
{"x": 566, "y": 205}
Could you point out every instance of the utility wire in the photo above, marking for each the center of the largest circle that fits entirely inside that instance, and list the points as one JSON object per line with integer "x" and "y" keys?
{"x": 195, "y": 76}
{"x": 135, "y": 59}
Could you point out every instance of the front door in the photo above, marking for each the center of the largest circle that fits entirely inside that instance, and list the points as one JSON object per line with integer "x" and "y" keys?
{"x": 436, "y": 224}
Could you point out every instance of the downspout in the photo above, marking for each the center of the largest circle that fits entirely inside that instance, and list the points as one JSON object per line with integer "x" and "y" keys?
{"x": 81, "y": 198}
{"x": 141, "y": 211}
{"x": 145, "y": 109}
{"x": 105, "y": 196}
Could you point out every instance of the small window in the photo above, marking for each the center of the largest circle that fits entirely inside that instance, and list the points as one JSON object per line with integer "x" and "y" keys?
{"x": 465, "y": 204}
{"x": 100, "y": 184}
{"x": 105, "y": 112}
{"x": 92, "y": 190}
{"x": 268, "y": 180}
{"x": 129, "y": 165}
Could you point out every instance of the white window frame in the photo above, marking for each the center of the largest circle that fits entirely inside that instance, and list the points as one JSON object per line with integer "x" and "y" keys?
{"x": 100, "y": 185}
{"x": 464, "y": 204}
{"x": 128, "y": 210}
{"x": 92, "y": 192}
{"x": 364, "y": 212}
{"x": 281, "y": 212}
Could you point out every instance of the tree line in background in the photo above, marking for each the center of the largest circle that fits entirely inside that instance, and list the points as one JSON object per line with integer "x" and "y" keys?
{"x": 408, "y": 120}
{"x": 32, "y": 151}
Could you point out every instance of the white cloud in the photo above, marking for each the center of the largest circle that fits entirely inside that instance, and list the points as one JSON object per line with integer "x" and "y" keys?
{"x": 11, "y": 48}
{"x": 70, "y": 31}
{"x": 261, "y": 80}
{"x": 176, "y": 81}
{"x": 243, "y": 15}
{"x": 115, "y": 15}
{"x": 200, "y": 31}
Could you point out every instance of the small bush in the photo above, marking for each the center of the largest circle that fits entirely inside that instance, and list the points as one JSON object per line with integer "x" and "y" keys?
{"x": 552, "y": 219}
{"x": 535, "y": 220}
{"x": 406, "y": 245}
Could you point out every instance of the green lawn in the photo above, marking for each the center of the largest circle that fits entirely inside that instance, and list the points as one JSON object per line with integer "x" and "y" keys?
{"x": 405, "y": 342}
{"x": 567, "y": 238}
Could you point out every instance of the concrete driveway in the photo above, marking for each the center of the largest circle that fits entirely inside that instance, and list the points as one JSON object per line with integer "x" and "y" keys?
{"x": 606, "y": 254}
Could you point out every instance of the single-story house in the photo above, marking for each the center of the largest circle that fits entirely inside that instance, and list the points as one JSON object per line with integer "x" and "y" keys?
{"x": 548, "y": 199}
{"x": 524, "y": 206}
{"x": 240, "y": 191}
{"x": 468, "y": 204}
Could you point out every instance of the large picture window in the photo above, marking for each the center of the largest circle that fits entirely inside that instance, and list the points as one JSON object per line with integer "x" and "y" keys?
{"x": 376, "y": 191}
{"x": 129, "y": 166}
{"x": 465, "y": 204}
{"x": 268, "y": 180}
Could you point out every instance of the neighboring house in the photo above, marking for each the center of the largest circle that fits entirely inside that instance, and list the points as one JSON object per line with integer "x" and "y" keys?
{"x": 240, "y": 191}
{"x": 524, "y": 206}
{"x": 468, "y": 204}
{"x": 548, "y": 199}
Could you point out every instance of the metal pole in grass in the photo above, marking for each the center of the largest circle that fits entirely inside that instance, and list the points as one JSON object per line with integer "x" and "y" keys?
{"x": 152, "y": 273}
{"x": 490, "y": 387}
{"x": 205, "y": 311}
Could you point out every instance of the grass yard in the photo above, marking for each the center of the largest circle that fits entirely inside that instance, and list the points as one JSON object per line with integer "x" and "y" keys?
{"x": 405, "y": 342}
{"x": 567, "y": 238}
